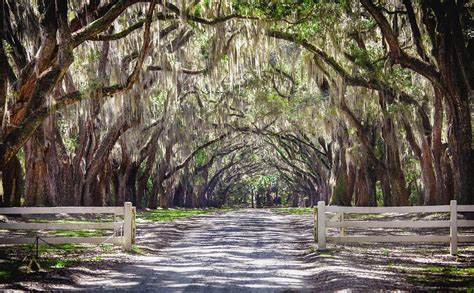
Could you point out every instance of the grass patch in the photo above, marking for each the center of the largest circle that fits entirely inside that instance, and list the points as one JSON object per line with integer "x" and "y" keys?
{"x": 437, "y": 276}
{"x": 16, "y": 268}
{"x": 136, "y": 249}
{"x": 364, "y": 216}
{"x": 325, "y": 254}
{"x": 79, "y": 233}
{"x": 71, "y": 221}
{"x": 294, "y": 211}
{"x": 452, "y": 270}
{"x": 66, "y": 248}
{"x": 6, "y": 271}
{"x": 16, "y": 262}
{"x": 48, "y": 264}
{"x": 168, "y": 215}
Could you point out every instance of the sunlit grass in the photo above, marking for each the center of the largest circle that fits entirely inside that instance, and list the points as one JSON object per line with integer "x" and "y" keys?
{"x": 439, "y": 276}
{"x": 168, "y": 215}
{"x": 295, "y": 211}
{"x": 79, "y": 233}
{"x": 71, "y": 221}
{"x": 364, "y": 216}
{"x": 451, "y": 270}
{"x": 136, "y": 249}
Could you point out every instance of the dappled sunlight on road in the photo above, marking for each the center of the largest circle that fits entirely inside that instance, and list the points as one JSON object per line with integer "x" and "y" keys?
{"x": 236, "y": 250}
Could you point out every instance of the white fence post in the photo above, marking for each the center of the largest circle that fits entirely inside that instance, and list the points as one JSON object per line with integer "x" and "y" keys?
{"x": 315, "y": 224}
{"x": 321, "y": 225}
{"x": 127, "y": 226}
{"x": 453, "y": 230}
{"x": 134, "y": 224}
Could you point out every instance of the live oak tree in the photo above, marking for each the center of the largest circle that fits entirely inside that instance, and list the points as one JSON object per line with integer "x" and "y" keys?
{"x": 379, "y": 38}
{"x": 207, "y": 103}
{"x": 36, "y": 83}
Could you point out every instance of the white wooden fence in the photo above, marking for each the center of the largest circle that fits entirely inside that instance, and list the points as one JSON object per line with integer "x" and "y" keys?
{"x": 321, "y": 223}
{"x": 126, "y": 225}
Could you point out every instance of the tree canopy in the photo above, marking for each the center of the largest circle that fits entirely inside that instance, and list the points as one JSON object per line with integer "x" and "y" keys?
{"x": 213, "y": 103}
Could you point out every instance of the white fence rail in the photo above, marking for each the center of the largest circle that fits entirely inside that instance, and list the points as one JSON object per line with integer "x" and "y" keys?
{"x": 322, "y": 223}
{"x": 126, "y": 225}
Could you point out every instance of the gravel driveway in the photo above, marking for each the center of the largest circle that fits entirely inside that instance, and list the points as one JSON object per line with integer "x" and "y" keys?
{"x": 237, "y": 251}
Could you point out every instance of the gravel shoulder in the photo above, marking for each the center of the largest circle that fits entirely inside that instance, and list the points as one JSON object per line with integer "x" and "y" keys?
{"x": 257, "y": 250}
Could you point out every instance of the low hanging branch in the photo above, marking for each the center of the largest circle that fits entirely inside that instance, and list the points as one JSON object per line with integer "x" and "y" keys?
{"x": 183, "y": 70}
{"x": 420, "y": 66}
{"x": 350, "y": 79}
{"x": 193, "y": 154}
{"x": 181, "y": 41}
{"x": 16, "y": 138}
{"x": 222, "y": 153}
{"x": 101, "y": 20}
{"x": 119, "y": 35}
{"x": 117, "y": 88}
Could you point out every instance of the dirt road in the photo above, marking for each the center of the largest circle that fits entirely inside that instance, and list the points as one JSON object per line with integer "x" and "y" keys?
{"x": 237, "y": 251}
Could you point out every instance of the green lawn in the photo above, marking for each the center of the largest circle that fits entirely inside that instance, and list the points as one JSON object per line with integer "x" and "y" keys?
{"x": 307, "y": 211}
{"x": 442, "y": 276}
{"x": 80, "y": 233}
{"x": 168, "y": 215}
{"x": 295, "y": 211}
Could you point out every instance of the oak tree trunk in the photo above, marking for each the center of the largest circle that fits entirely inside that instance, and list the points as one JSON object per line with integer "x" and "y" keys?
{"x": 13, "y": 183}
